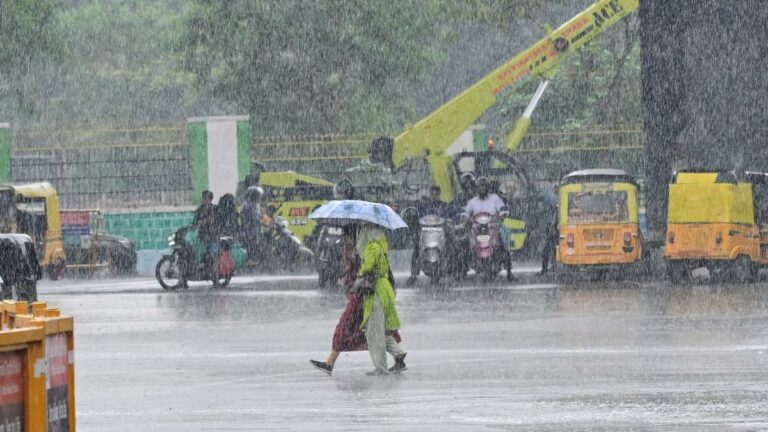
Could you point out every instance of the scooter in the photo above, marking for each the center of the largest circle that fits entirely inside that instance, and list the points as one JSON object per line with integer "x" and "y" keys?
{"x": 432, "y": 245}
{"x": 328, "y": 251}
{"x": 287, "y": 249}
{"x": 489, "y": 254}
{"x": 174, "y": 270}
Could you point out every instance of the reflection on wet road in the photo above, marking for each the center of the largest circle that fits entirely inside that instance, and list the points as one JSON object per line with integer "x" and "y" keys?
{"x": 528, "y": 357}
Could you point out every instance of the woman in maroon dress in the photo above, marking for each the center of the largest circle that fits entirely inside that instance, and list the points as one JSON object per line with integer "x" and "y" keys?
{"x": 348, "y": 336}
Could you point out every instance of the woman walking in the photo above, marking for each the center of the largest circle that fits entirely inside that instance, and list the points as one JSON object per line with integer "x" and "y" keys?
{"x": 348, "y": 335}
{"x": 380, "y": 318}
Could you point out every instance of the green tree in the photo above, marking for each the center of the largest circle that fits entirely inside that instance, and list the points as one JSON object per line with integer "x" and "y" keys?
{"x": 313, "y": 67}
{"x": 28, "y": 32}
{"x": 600, "y": 85}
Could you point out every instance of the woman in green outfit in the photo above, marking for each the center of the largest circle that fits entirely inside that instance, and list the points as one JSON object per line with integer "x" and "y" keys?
{"x": 380, "y": 317}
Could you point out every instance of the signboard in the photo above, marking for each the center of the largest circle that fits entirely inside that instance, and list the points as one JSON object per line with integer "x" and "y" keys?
{"x": 57, "y": 382}
{"x": 75, "y": 223}
{"x": 11, "y": 391}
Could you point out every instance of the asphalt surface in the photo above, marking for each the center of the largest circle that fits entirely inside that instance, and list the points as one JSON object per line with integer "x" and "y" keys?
{"x": 533, "y": 355}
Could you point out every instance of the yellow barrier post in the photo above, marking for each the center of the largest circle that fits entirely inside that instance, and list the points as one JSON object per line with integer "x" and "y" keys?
{"x": 49, "y": 386}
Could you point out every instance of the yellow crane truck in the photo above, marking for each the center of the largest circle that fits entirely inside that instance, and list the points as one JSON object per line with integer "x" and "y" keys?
{"x": 428, "y": 140}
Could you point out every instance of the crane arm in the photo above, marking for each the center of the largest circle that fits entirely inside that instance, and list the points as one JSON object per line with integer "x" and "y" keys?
{"x": 436, "y": 132}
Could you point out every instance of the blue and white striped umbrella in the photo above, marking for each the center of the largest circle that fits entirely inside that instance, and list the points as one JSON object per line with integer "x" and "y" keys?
{"x": 347, "y": 212}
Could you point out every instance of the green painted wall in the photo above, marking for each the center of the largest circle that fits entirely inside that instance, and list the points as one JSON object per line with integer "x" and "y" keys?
{"x": 147, "y": 230}
{"x": 197, "y": 137}
{"x": 243, "y": 149}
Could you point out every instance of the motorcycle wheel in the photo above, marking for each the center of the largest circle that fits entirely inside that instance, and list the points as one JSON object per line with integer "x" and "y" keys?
{"x": 324, "y": 277}
{"x": 168, "y": 274}
{"x": 435, "y": 273}
{"x": 223, "y": 281}
{"x": 487, "y": 271}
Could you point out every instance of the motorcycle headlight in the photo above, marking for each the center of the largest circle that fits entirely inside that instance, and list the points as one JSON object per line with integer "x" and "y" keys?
{"x": 431, "y": 220}
{"x": 484, "y": 238}
{"x": 483, "y": 220}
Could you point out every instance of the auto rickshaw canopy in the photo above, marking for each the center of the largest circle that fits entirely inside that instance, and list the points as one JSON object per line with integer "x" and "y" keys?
{"x": 710, "y": 197}
{"x": 611, "y": 194}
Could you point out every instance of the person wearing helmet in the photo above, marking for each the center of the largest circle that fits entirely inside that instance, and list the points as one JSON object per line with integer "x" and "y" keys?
{"x": 485, "y": 201}
{"x": 251, "y": 219}
{"x": 488, "y": 202}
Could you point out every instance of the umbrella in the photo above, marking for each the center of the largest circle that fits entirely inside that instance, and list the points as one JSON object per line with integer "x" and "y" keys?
{"x": 353, "y": 211}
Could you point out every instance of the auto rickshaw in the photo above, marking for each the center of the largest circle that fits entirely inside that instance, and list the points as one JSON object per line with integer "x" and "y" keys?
{"x": 717, "y": 220}
{"x": 598, "y": 221}
{"x": 36, "y": 212}
{"x": 19, "y": 268}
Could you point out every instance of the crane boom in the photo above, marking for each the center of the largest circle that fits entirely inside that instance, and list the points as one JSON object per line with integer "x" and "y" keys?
{"x": 437, "y": 131}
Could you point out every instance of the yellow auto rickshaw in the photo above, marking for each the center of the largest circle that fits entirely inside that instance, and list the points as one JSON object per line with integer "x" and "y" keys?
{"x": 35, "y": 208}
{"x": 717, "y": 220}
{"x": 598, "y": 221}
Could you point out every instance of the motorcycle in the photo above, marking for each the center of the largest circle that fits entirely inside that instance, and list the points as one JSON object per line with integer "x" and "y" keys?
{"x": 329, "y": 264}
{"x": 489, "y": 254}
{"x": 183, "y": 264}
{"x": 432, "y": 245}
{"x": 283, "y": 248}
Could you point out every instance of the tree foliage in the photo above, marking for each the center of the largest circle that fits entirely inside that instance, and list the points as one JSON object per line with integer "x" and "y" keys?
{"x": 28, "y": 32}
{"x": 598, "y": 85}
{"x": 317, "y": 67}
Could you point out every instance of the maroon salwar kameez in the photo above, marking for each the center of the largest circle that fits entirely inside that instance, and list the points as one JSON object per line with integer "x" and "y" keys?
{"x": 348, "y": 336}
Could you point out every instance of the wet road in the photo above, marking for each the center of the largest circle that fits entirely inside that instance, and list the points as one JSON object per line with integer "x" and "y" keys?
{"x": 532, "y": 356}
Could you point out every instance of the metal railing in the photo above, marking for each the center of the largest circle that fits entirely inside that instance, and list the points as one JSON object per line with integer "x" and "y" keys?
{"x": 107, "y": 168}
{"x": 553, "y": 151}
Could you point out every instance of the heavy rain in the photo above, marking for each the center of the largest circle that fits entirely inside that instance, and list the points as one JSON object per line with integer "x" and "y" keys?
{"x": 364, "y": 215}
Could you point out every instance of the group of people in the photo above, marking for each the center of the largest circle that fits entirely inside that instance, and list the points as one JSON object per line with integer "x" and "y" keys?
{"x": 214, "y": 221}
{"x": 480, "y": 197}
{"x": 370, "y": 320}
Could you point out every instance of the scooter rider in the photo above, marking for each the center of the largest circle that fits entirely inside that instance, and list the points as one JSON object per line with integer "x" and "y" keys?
{"x": 485, "y": 202}
{"x": 204, "y": 223}
{"x": 429, "y": 205}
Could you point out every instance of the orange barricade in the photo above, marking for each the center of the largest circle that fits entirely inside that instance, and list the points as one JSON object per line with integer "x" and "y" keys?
{"x": 37, "y": 369}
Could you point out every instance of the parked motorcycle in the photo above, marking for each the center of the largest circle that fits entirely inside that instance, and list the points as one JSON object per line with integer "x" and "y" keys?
{"x": 433, "y": 247}
{"x": 184, "y": 263}
{"x": 328, "y": 251}
{"x": 489, "y": 254}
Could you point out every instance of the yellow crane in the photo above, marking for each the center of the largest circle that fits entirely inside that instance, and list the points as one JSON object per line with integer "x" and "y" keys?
{"x": 431, "y": 136}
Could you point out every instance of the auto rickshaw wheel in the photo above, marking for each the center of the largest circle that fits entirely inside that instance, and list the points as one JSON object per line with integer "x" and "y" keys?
{"x": 742, "y": 270}
{"x": 27, "y": 291}
{"x": 56, "y": 270}
{"x": 677, "y": 272}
